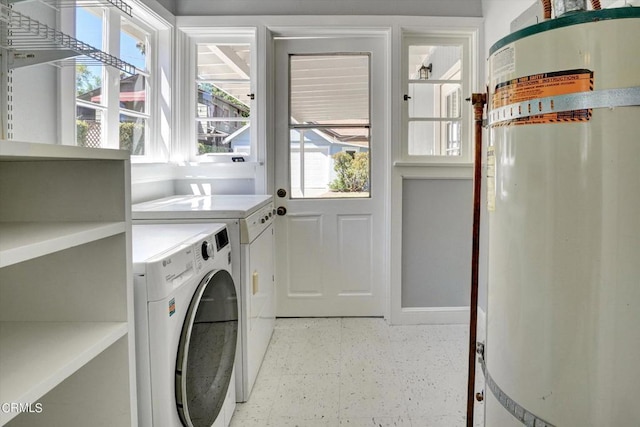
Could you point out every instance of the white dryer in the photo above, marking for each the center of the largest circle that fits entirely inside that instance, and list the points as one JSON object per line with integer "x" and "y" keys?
{"x": 186, "y": 315}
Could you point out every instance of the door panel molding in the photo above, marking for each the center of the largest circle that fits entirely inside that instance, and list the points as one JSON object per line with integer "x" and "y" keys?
{"x": 305, "y": 239}
{"x": 356, "y": 263}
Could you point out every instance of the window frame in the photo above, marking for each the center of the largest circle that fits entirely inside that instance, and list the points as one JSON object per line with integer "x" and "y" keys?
{"x": 150, "y": 61}
{"x": 219, "y": 35}
{"x": 158, "y": 74}
{"x": 101, "y": 106}
{"x": 467, "y": 58}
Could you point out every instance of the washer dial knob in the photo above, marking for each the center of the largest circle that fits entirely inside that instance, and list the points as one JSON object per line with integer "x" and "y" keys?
{"x": 207, "y": 250}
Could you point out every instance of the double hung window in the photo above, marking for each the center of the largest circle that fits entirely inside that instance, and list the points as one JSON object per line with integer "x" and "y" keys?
{"x": 133, "y": 106}
{"x": 113, "y": 109}
{"x": 437, "y": 79}
{"x": 224, "y": 97}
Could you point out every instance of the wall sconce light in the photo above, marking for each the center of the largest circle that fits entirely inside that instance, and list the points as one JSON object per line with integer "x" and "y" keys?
{"x": 424, "y": 71}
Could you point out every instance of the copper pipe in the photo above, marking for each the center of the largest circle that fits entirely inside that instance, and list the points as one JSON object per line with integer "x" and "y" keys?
{"x": 478, "y": 100}
{"x": 546, "y": 5}
{"x": 595, "y": 4}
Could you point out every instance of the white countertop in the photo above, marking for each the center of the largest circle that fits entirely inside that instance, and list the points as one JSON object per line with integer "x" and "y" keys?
{"x": 201, "y": 207}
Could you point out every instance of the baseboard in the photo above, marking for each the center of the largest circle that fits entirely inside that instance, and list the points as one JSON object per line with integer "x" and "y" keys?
{"x": 434, "y": 316}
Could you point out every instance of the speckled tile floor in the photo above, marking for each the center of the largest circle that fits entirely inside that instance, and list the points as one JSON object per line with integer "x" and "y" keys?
{"x": 360, "y": 372}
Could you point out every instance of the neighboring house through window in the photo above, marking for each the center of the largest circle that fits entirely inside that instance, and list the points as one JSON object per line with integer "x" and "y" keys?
{"x": 223, "y": 94}
{"x": 123, "y": 115}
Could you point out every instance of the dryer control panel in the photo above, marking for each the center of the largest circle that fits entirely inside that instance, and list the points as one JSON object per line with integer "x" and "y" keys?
{"x": 256, "y": 223}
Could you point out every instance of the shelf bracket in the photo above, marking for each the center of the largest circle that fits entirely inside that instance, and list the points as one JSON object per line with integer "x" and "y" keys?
{"x": 18, "y": 59}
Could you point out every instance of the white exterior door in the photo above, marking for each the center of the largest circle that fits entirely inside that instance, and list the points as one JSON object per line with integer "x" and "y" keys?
{"x": 330, "y": 98}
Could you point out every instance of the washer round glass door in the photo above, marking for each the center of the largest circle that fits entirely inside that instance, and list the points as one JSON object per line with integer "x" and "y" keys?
{"x": 207, "y": 350}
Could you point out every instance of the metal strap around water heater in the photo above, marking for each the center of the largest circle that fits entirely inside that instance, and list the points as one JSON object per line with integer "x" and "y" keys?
{"x": 514, "y": 408}
{"x": 606, "y": 98}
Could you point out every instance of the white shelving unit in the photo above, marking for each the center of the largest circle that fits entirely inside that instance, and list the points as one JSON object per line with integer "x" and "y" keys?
{"x": 22, "y": 241}
{"x": 66, "y": 324}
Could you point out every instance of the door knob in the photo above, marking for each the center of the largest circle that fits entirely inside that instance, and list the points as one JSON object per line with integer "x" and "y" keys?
{"x": 281, "y": 211}
{"x": 281, "y": 192}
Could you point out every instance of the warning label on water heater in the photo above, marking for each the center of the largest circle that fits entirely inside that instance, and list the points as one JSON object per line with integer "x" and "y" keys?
{"x": 544, "y": 85}
{"x": 503, "y": 62}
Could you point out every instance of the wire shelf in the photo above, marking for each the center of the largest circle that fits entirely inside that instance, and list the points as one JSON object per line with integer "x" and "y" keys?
{"x": 59, "y": 4}
{"x": 32, "y": 42}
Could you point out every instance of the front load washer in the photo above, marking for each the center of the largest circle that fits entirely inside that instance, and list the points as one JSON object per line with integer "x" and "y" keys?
{"x": 186, "y": 318}
{"x": 249, "y": 219}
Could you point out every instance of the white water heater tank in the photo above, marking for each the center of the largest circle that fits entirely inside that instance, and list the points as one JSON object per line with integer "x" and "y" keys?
{"x": 563, "y": 313}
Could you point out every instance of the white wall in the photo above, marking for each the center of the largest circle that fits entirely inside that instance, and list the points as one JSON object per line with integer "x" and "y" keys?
{"x": 35, "y": 90}
{"x": 470, "y": 8}
{"x": 157, "y": 180}
{"x": 498, "y": 15}
{"x": 170, "y": 5}
{"x": 436, "y": 242}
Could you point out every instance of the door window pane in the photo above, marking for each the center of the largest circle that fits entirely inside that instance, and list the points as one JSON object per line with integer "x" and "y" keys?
{"x": 326, "y": 88}
{"x": 329, "y": 126}
{"x": 329, "y": 162}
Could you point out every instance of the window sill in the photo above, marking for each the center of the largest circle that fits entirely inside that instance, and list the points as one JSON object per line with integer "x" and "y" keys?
{"x": 433, "y": 164}
{"x": 143, "y": 160}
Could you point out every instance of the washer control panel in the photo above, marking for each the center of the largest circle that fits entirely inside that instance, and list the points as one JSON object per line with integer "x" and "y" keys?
{"x": 206, "y": 249}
